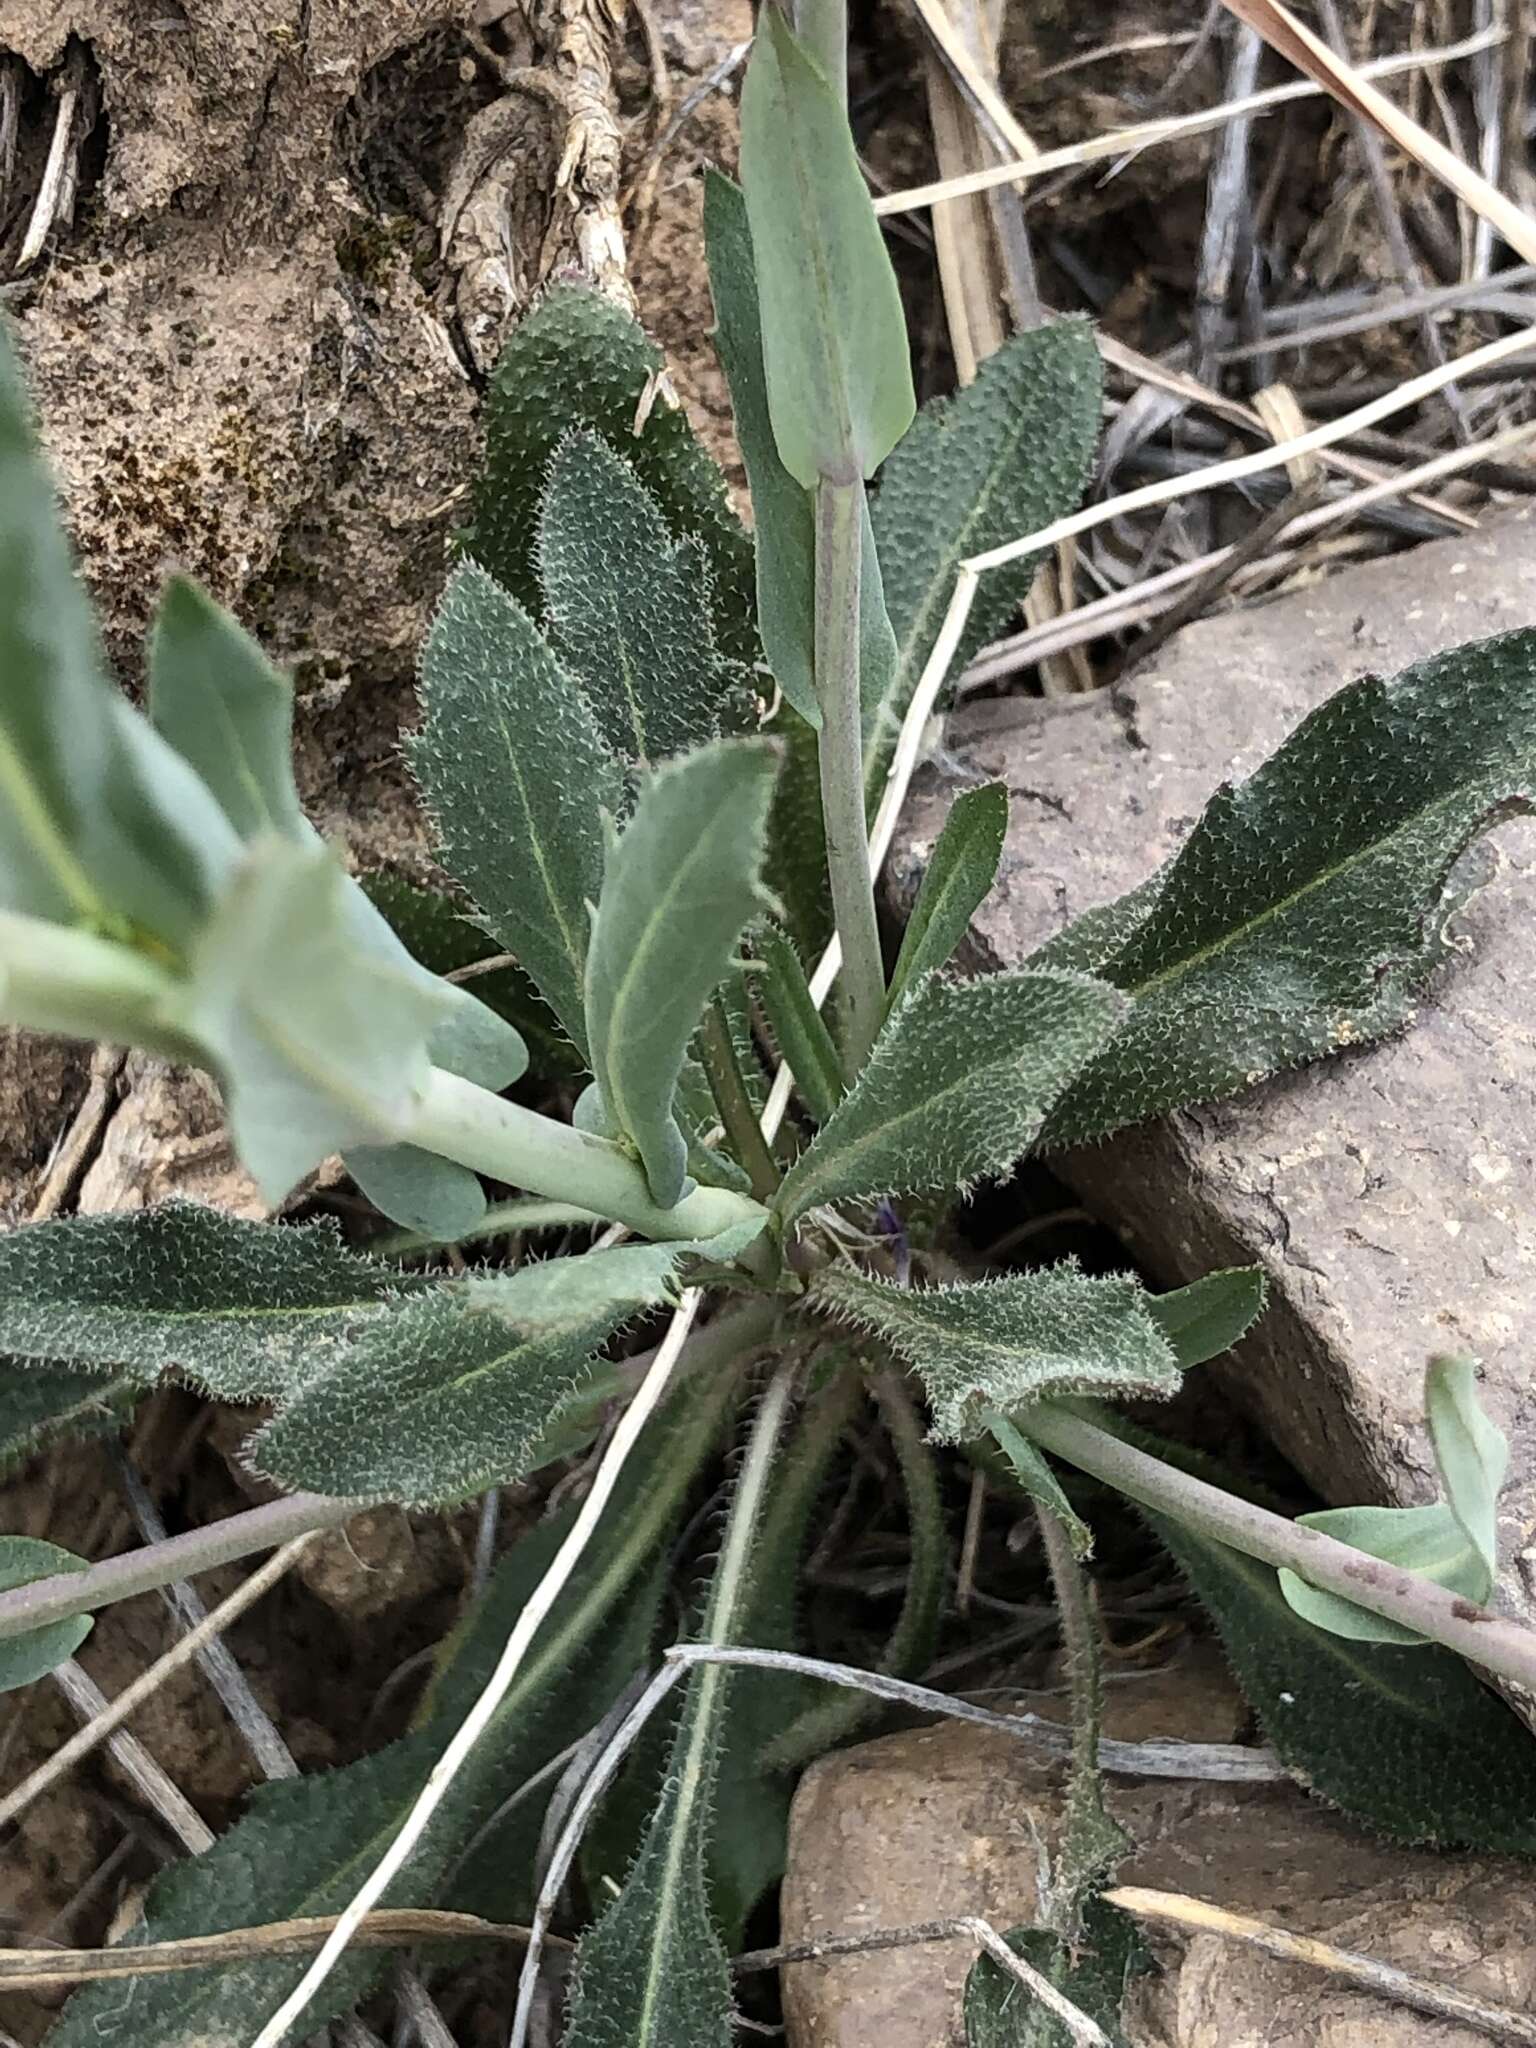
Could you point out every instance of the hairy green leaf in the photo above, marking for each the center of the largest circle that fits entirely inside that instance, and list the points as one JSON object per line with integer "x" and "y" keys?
{"x": 458, "y": 1390}
{"x": 784, "y": 511}
{"x": 215, "y": 698}
{"x": 1093, "y": 1971}
{"x": 679, "y": 886}
{"x": 1308, "y": 904}
{"x": 243, "y": 1309}
{"x": 958, "y": 1086}
{"x": 1000, "y": 1344}
{"x": 628, "y": 608}
{"x": 40, "y": 1405}
{"x": 652, "y": 1972}
{"x": 1032, "y": 1469}
{"x": 578, "y": 360}
{"x": 101, "y": 822}
{"x": 516, "y": 775}
{"x": 796, "y": 865}
{"x": 912, "y": 1644}
{"x": 799, "y": 1032}
{"x": 34, "y": 1655}
{"x": 834, "y": 335}
{"x": 959, "y": 875}
{"x": 305, "y": 1845}
{"x": 1454, "y": 1541}
{"x": 1004, "y": 457}
{"x": 1406, "y": 1740}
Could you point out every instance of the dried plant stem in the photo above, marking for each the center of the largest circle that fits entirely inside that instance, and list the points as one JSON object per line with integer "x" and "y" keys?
{"x": 533, "y": 1616}
{"x": 1086, "y": 2033}
{"x": 159, "y": 1792}
{"x": 1145, "y": 134}
{"x": 1476, "y": 1633}
{"x": 839, "y": 549}
{"x": 1437, "y": 2001}
{"x": 160, "y": 1564}
{"x": 133, "y": 1696}
{"x": 43, "y": 1969}
{"x": 1220, "y": 1762}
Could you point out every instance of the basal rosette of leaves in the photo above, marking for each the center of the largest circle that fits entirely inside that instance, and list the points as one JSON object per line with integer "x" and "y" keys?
{"x": 648, "y": 744}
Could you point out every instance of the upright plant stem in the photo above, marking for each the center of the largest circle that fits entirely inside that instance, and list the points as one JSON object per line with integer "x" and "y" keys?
{"x": 1092, "y": 1840}
{"x": 839, "y": 557}
{"x": 1476, "y": 1633}
{"x": 729, "y": 1088}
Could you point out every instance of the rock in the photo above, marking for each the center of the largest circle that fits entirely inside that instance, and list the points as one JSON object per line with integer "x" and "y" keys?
{"x": 1383, "y": 1192}
{"x": 949, "y": 1820}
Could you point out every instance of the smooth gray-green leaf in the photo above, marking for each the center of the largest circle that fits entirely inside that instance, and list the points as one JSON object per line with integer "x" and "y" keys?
{"x": 34, "y": 1655}
{"x": 1093, "y": 1971}
{"x": 1032, "y": 1469}
{"x": 419, "y": 1190}
{"x": 457, "y": 1390}
{"x": 783, "y": 511}
{"x": 1211, "y": 1314}
{"x": 1000, "y": 1344}
{"x": 959, "y": 876}
{"x": 679, "y": 886}
{"x": 517, "y": 776}
{"x": 1004, "y": 457}
{"x": 1453, "y": 1541}
{"x": 437, "y": 1198}
{"x": 834, "y": 335}
{"x": 799, "y": 1031}
{"x": 1406, "y": 1740}
{"x": 40, "y": 1405}
{"x": 579, "y": 360}
{"x": 317, "y": 1025}
{"x": 1428, "y": 1541}
{"x": 100, "y": 821}
{"x": 1471, "y": 1451}
{"x": 627, "y": 608}
{"x": 244, "y": 1309}
{"x": 957, "y": 1087}
{"x": 215, "y": 697}
{"x": 441, "y": 935}
{"x": 304, "y": 1845}
{"x": 1308, "y": 904}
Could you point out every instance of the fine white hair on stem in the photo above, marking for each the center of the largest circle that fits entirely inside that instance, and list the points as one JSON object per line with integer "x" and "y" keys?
{"x": 531, "y": 1619}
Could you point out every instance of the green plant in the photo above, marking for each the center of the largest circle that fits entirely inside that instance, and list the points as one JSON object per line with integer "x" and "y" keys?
{"x": 625, "y": 814}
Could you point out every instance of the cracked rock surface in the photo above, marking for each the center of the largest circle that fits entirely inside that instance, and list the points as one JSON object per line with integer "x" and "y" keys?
{"x": 1386, "y": 1193}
